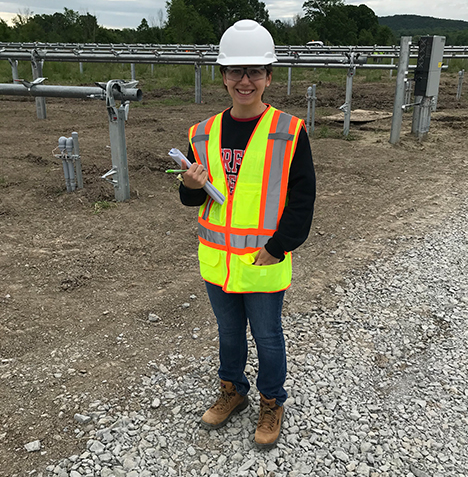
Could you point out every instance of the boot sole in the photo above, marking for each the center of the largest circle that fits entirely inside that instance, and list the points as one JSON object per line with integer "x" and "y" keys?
{"x": 240, "y": 407}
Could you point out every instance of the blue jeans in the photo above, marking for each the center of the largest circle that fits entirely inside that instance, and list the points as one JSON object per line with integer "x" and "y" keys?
{"x": 263, "y": 310}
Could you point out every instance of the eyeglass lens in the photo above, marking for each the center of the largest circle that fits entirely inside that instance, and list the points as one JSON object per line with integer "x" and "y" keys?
{"x": 253, "y": 73}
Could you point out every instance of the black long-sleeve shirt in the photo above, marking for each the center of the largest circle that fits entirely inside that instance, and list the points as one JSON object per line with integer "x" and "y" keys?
{"x": 294, "y": 225}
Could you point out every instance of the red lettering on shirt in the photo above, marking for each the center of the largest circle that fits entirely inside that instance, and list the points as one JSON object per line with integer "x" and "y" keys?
{"x": 232, "y": 160}
{"x": 231, "y": 182}
{"x": 226, "y": 156}
{"x": 238, "y": 154}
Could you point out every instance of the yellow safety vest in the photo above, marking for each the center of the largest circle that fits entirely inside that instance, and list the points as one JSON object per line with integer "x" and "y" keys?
{"x": 231, "y": 234}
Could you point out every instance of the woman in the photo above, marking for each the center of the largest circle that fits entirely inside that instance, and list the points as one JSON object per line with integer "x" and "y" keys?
{"x": 260, "y": 159}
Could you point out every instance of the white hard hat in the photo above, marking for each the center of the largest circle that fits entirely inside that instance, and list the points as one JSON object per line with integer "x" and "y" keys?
{"x": 246, "y": 43}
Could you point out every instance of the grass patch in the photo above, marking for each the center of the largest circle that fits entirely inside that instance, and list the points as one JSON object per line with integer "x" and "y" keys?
{"x": 456, "y": 64}
{"x": 173, "y": 102}
{"x": 101, "y": 205}
{"x": 325, "y": 132}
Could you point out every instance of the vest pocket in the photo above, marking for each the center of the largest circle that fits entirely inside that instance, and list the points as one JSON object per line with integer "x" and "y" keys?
{"x": 247, "y": 277}
{"x": 212, "y": 264}
{"x": 246, "y": 206}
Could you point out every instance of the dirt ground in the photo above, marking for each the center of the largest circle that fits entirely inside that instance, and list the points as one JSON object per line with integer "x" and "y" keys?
{"x": 79, "y": 273}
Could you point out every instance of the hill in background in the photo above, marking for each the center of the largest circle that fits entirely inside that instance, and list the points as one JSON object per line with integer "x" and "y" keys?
{"x": 420, "y": 25}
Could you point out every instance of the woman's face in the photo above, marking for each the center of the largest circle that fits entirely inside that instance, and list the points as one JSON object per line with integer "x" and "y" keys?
{"x": 246, "y": 85}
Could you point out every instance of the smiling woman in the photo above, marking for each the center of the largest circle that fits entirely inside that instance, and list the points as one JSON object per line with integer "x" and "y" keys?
{"x": 259, "y": 158}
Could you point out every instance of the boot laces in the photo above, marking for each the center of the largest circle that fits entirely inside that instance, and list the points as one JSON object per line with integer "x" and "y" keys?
{"x": 223, "y": 400}
{"x": 267, "y": 417}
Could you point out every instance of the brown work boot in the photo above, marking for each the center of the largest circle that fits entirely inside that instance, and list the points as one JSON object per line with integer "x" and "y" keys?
{"x": 269, "y": 423}
{"x": 228, "y": 403}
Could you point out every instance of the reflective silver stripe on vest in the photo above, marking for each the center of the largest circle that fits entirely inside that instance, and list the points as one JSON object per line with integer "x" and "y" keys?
{"x": 237, "y": 241}
{"x": 244, "y": 241}
{"x": 211, "y": 236}
{"x": 200, "y": 143}
{"x": 206, "y": 212}
{"x": 280, "y": 137}
{"x": 200, "y": 137}
{"x": 284, "y": 136}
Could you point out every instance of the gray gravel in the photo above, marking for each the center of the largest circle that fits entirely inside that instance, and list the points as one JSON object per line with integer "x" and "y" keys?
{"x": 378, "y": 386}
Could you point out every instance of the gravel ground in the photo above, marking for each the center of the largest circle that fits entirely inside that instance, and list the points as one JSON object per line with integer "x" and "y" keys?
{"x": 378, "y": 386}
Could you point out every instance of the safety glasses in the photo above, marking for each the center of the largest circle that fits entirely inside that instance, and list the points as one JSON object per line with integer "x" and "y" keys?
{"x": 254, "y": 73}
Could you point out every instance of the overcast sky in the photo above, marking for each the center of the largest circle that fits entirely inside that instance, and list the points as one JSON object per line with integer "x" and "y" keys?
{"x": 129, "y": 13}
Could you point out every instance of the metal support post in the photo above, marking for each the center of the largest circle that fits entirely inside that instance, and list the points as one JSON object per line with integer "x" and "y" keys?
{"x": 212, "y": 73}
{"x": 346, "y": 107}
{"x": 416, "y": 114}
{"x": 81, "y": 67}
{"x": 132, "y": 68}
{"x": 460, "y": 83}
{"x": 198, "y": 99}
{"x": 70, "y": 164}
{"x": 289, "y": 80}
{"x": 349, "y": 95}
{"x": 14, "y": 69}
{"x": 424, "y": 120}
{"x": 398, "y": 103}
{"x": 36, "y": 65}
{"x": 77, "y": 160}
{"x": 391, "y": 69}
{"x": 408, "y": 90}
{"x": 62, "y": 144}
{"x": 152, "y": 69}
{"x": 310, "y": 126}
{"x": 118, "y": 175}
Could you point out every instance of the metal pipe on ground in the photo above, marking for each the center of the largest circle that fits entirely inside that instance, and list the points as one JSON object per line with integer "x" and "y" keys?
{"x": 51, "y": 91}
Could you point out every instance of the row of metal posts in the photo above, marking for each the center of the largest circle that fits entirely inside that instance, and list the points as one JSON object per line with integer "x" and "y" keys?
{"x": 37, "y": 65}
{"x": 402, "y": 94}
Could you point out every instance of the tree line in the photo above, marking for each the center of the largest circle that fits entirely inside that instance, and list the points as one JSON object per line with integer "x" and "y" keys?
{"x": 455, "y": 31}
{"x": 204, "y": 21}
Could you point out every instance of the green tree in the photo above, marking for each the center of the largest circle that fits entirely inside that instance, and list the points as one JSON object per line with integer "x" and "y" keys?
{"x": 5, "y": 31}
{"x": 185, "y": 25}
{"x": 219, "y": 14}
{"x": 315, "y": 9}
{"x": 340, "y": 24}
{"x": 26, "y": 29}
{"x": 89, "y": 28}
{"x": 384, "y": 36}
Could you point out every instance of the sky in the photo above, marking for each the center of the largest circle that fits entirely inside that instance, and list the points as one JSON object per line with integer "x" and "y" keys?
{"x": 129, "y": 13}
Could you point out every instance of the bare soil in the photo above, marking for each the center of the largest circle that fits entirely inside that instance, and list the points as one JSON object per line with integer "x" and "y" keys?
{"x": 78, "y": 279}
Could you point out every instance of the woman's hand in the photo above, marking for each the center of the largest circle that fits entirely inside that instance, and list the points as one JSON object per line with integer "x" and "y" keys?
{"x": 195, "y": 177}
{"x": 264, "y": 258}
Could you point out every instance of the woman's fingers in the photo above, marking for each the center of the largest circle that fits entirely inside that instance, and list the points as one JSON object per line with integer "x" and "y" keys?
{"x": 195, "y": 177}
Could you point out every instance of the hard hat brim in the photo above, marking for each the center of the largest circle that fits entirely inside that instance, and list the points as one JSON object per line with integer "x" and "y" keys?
{"x": 246, "y": 60}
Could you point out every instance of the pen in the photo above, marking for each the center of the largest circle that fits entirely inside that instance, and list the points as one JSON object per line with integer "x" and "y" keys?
{"x": 177, "y": 171}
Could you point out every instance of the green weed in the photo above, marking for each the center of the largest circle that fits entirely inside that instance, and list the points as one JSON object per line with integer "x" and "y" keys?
{"x": 456, "y": 64}
{"x": 101, "y": 205}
